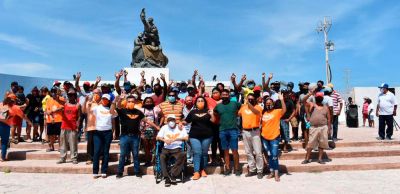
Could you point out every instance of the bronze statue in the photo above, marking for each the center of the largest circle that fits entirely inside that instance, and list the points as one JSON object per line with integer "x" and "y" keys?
{"x": 147, "y": 51}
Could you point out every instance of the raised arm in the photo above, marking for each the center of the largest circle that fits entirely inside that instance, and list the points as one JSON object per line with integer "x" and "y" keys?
{"x": 98, "y": 80}
{"x": 266, "y": 84}
{"x": 116, "y": 84}
{"x": 283, "y": 103}
{"x": 263, "y": 82}
{"x": 193, "y": 81}
{"x": 77, "y": 78}
{"x": 165, "y": 86}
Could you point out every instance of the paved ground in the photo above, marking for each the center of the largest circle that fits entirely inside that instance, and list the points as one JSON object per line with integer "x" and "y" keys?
{"x": 327, "y": 182}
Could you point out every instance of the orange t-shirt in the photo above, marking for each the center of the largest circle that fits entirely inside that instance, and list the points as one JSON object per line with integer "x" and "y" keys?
{"x": 138, "y": 104}
{"x": 51, "y": 106}
{"x": 15, "y": 115}
{"x": 249, "y": 119}
{"x": 271, "y": 124}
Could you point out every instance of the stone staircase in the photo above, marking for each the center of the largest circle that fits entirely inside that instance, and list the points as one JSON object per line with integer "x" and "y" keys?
{"x": 348, "y": 155}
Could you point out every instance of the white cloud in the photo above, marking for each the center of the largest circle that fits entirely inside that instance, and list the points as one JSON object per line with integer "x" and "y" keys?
{"x": 21, "y": 43}
{"x": 31, "y": 69}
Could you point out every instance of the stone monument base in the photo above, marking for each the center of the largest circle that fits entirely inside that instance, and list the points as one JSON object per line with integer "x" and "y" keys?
{"x": 135, "y": 77}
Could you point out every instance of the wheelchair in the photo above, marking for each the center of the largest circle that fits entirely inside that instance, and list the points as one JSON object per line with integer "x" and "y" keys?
{"x": 157, "y": 165}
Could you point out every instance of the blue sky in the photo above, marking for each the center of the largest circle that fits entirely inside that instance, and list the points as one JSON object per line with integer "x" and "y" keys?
{"x": 60, "y": 37}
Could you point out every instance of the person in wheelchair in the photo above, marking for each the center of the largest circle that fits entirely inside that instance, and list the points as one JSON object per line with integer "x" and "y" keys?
{"x": 173, "y": 137}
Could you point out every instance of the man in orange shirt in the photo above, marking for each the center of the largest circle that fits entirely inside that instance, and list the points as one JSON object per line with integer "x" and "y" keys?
{"x": 251, "y": 116}
{"x": 54, "y": 108}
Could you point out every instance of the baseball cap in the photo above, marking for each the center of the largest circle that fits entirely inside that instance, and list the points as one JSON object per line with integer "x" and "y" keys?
{"x": 171, "y": 117}
{"x": 384, "y": 85}
{"x": 175, "y": 89}
{"x": 265, "y": 94}
{"x": 257, "y": 88}
{"x": 330, "y": 85}
{"x": 106, "y": 96}
{"x": 71, "y": 91}
{"x": 56, "y": 83}
{"x": 86, "y": 83}
{"x": 319, "y": 94}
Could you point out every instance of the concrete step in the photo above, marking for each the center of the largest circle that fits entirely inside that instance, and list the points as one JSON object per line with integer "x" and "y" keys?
{"x": 287, "y": 166}
{"x": 295, "y": 154}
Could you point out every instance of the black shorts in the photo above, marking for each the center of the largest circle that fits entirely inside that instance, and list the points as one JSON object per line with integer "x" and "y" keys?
{"x": 36, "y": 118}
{"x": 53, "y": 128}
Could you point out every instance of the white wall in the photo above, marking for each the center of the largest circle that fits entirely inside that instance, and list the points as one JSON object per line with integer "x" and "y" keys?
{"x": 371, "y": 92}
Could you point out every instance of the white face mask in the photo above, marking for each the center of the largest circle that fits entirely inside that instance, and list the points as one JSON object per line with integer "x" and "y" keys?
{"x": 135, "y": 96}
{"x": 172, "y": 124}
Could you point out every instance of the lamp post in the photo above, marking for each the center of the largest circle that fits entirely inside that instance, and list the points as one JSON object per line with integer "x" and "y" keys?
{"x": 324, "y": 27}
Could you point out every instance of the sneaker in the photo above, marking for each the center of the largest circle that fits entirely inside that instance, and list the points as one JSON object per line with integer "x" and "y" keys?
{"x": 203, "y": 173}
{"x": 306, "y": 161}
{"x": 227, "y": 172}
{"x": 96, "y": 176}
{"x": 103, "y": 176}
{"x": 89, "y": 162}
{"x": 196, "y": 176}
{"x": 388, "y": 138}
{"x": 238, "y": 173}
{"x": 250, "y": 174}
{"x": 119, "y": 175}
{"x": 138, "y": 174}
{"x": 29, "y": 141}
{"x": 321, "y": 162}
{"x": 379, "y": 138}
{"x": 167, "y": 182}
{"x": 75, "y": 162}
{"x": 260, "y": 175}
{"x": 61, "y": 161}
{"x": 49, "y": 150}
{"x": 173, "y": 180}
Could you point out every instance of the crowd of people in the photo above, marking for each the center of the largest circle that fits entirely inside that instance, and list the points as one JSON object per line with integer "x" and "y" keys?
{"x": 178, "y": 114}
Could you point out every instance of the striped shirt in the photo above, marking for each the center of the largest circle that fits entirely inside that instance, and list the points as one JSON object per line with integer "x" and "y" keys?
{"x": 168, "y": 108}
{"x": 337, "y": 99}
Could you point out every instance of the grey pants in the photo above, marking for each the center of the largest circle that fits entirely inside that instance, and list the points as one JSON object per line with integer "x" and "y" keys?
{"x": 252, "y": 146}
{"x": 69, "y": 140}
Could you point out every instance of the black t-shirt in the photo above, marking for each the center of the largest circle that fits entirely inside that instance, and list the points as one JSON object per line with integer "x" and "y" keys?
{"x": 130, "y": 121}
{"x": 34, "y": 102}
{"x": 290, "y": 107}
{"x": 201, "y": 124}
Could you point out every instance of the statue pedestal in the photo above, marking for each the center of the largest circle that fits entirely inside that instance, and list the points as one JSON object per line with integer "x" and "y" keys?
{"x": 135, "y": 77}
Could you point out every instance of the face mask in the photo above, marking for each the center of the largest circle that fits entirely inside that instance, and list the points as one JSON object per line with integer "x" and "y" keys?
{"x": 250, "y": 86}
{"x": 319, "y": 100}
{"x": 15, "y": 90}
{"x": 171, "y": 124}
{"x": 276, "y": 88}
{"x": 225, "y": 100}
{"x": 149, "y": 91}
{"x": 148, "y": 106}
{"x": 96, "y": 97}
{"x": 130, "y": 105}
{"x": 252, "y": 101}
{"x": 200, "y": 105}
{"x": 135, "y": 96}
{"x": 183, "y": 89}
{"x": 269, "y": 107}
{"x": 171, "y": 99}
{"x": 381, "y": 90}
{"x": 104, "y": 102}
{"x": 157, "y": 91}
{"x": 289, "y": 88}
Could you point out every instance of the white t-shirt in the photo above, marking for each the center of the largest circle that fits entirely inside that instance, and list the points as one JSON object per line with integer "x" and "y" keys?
{"x": 327, "y": 100}
{"x": 167, "y": 133}
{"x": 386, "y": 103}
{"x": 274, "y": 95}
{"x": 103, "y": 118}
{"x": 370, "y": 107}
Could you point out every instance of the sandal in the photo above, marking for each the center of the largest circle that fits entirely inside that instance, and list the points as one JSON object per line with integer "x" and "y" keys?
{"x": 270, "y": 176}
{"x": 321, "y": 162}
{"x": 306, "y": 161}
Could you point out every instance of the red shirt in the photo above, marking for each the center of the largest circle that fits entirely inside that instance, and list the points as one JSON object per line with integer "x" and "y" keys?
{"x": 70, "y": 117}
{"x": 15, "y": 115}
{"x": 158, "y": 99}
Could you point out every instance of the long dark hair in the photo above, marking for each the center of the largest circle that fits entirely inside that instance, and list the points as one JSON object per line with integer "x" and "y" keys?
{"x": 205, "y": 103}
{"x": 265, "y": 102}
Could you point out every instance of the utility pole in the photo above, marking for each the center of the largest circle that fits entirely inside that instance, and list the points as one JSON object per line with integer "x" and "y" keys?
{"x": 324, "y": 27}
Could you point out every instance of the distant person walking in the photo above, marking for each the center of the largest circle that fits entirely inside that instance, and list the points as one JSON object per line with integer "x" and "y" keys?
{"x": 385, "y": 110}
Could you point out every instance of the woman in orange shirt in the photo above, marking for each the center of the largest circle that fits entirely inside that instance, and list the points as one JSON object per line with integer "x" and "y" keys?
{"x": 9, "y": 113}
{"x": 271, "y": 133}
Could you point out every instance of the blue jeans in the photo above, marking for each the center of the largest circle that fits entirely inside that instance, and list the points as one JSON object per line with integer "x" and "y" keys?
{"x": 127, "y": 144}
{"x": 272, "y": 147}
{"x": 229, "y": 139}
{"x": 285, "y": 131}
{"x": 200, "y": 152}
{"x": 102, "y": 141}
{"x": 4, "y": 136}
